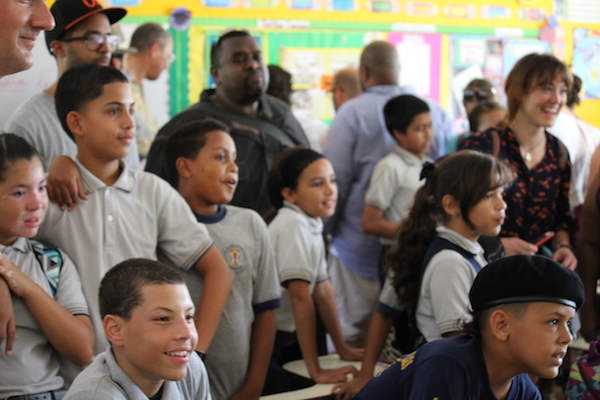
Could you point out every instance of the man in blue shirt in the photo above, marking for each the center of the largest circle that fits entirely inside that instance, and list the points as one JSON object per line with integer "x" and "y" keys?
{"x": 356, "y": 141}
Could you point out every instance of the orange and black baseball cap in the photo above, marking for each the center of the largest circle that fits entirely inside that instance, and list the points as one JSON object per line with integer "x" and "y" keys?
{"x": 67, "y": 13}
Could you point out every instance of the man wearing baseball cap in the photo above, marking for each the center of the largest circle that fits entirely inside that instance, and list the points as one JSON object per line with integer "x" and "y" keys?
{"x": 522, "y": 311}
{"x": 82, "y": 35}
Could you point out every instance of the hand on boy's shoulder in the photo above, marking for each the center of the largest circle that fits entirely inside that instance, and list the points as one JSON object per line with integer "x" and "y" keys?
{"x": 64, "y": 183}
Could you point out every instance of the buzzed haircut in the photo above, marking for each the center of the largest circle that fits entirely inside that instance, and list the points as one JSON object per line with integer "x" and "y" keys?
{"x": 186, "y": 142}
{"x": 216, "y": 47}
{"x": 147, "y": 34}
{"x": 81, "y": 85}
{"x": 121, "y": 288}
{"x": 381, "y": 58}
{"x": 349, "y": 80}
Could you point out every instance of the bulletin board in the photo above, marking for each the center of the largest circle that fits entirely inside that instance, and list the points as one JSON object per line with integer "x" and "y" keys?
{"x": 327, "y": 35}
{"x": 442, "y": 44}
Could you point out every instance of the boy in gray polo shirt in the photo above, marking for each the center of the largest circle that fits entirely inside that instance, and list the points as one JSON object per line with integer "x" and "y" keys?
{"x": 128, "y": 213}
{"x": 148, "y": 318}
{"x": 200, "y": 163}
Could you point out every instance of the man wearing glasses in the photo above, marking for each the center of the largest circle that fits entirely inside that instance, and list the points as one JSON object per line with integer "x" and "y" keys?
{"x": 82, "y": 35}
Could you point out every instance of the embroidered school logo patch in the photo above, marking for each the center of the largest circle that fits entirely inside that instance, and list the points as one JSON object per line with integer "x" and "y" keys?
{"x": 236, "y": 258}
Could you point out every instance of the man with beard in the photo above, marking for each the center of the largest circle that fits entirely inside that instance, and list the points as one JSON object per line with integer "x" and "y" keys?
{"x": 81, "y": 35}
{"x": 261, "y": 125}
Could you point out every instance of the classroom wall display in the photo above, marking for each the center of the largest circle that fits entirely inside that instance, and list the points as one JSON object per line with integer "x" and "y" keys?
{"x": 453, "y": 40}
{"x": 586, "y": 60}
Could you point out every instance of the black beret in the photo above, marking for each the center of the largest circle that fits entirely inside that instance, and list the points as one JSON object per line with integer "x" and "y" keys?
{"x": 520, "y": 278}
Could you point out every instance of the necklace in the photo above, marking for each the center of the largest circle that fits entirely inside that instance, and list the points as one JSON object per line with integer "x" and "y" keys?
{"x": 527, "y": 155}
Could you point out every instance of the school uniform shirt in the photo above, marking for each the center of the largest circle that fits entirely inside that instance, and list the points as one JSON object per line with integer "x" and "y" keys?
{"x": 449, "y": 369}
{"x": 33, "y": 366}
{"x": 356, "y": 141}
{"x": 300, "y": 252}
{"x": 444, "y": 293}
{"x": 104, "y": 379}
{"x": 138, "y": 216}
{"x": 241, "y": 236}
{"x": 395, "y": 180}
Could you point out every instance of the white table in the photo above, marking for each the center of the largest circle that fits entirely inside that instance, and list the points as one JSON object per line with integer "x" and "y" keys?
{"x": 318, "y": 390}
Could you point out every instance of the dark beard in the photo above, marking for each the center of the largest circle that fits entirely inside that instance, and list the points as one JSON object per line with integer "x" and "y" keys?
{"x": 252, "y": 93}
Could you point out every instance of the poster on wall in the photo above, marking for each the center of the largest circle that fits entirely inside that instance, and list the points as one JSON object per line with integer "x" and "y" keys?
{"x": 420, "y": 61}
{"x": 514, "y": 50}
{"x": 586, "y": 60}
{"x": 475, "y": 57}
{"x": 311, "y": 70}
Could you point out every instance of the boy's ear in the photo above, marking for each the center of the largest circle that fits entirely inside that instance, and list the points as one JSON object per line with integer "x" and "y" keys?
{"x": 451, "y": 206}
{"x": 288, "y": 194}
{"x": 183, "y": 167}
{"x": 499, "y": 324}
{"x": 113, "y": 329}
{"x": 74, "y": 122}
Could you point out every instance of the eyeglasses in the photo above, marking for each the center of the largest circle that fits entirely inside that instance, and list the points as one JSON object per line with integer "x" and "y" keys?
{"x": 94, "y": 41}
{"x": 478, "y": 94}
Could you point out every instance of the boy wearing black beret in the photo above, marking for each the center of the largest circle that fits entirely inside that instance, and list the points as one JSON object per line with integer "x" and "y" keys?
{"x": 522, "y": 311}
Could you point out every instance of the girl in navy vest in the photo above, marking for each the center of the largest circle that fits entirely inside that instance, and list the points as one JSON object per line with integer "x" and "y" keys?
{"x": 436, "y": 255}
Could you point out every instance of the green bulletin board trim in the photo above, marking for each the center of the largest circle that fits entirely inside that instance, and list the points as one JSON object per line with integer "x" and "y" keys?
{"x": 318, "y": 40}
{"x": 178, "y": 72}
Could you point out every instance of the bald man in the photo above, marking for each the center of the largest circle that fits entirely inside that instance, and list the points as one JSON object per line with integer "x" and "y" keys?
{"x": 345, "y": 86}
{"x": 20, "y": 24}
{"x": 357, "y": 139}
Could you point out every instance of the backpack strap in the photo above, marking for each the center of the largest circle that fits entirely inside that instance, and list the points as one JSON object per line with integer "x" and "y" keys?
{"x": 438, "y": 244}
{"x": 408, "y": 337}
{"x": 50, "y": 261}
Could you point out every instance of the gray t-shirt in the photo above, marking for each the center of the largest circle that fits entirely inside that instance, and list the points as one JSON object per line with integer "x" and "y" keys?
{"x": 37, "y": 122}
{"x": 104, "y": 379}
{"x": 241, "y": 236}
{"x": 33, "y": 366}
{"x": 300, "y": 251}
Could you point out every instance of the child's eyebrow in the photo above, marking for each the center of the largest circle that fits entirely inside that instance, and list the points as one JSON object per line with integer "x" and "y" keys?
{"x": 167, "y": 309}
{"x": 118, "y": 103}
